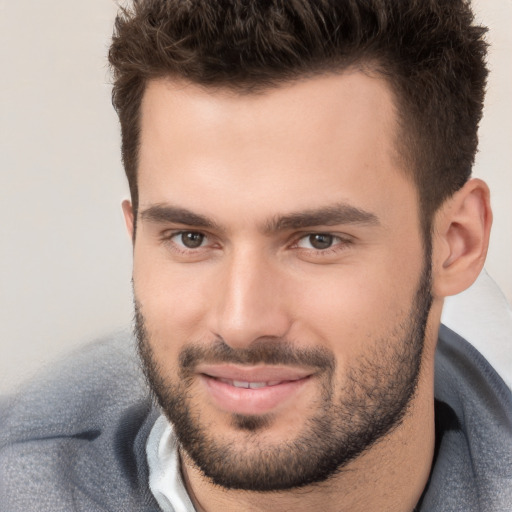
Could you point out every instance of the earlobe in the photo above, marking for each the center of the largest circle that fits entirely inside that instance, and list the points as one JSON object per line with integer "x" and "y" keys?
{"x": 128, "y": 217}
{"x": 461, "y": 238}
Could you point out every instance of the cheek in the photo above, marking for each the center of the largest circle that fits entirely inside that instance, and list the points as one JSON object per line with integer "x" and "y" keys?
{"x": 172, "y": 299}
{"x": 350, "y": 307}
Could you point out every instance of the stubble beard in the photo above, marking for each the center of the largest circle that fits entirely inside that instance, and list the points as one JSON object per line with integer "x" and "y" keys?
{"x": 375, "y": 398}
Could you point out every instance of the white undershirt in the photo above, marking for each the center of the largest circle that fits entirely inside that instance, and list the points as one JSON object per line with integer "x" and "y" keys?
{"x": 165, "y": 480}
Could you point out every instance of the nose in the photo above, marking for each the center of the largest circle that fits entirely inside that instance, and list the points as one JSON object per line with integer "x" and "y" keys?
{"x": 250, "y": 302}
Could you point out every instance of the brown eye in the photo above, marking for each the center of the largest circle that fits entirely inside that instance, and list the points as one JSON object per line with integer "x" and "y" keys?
{"x": 321, "y": 241}
{"x": 192, "y": 239}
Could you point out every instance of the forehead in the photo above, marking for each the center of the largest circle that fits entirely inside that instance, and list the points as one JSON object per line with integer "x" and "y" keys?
{"x": 325, "y": 139}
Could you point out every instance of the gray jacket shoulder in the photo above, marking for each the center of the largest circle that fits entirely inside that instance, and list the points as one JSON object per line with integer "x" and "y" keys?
{"x": 76, "y": 392}
{"x": 74, "y": 437}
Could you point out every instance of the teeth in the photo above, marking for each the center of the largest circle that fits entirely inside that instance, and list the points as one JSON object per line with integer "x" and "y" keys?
{"x": 256, "y": 385}
{"x": 250, "y": 385}
{"x": 240, "y": 384}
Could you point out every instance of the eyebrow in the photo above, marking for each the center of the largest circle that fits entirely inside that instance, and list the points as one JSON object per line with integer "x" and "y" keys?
{"x": 162, "y": 213}
{"x": 333, "y": 215}
{"x": 340, "y": 213}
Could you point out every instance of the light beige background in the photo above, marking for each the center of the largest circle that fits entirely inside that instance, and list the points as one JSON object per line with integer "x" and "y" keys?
{"x": 64, "y": 256}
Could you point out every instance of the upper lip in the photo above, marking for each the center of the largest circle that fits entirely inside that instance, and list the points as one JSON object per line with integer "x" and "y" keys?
{"x": 253, "y": 373}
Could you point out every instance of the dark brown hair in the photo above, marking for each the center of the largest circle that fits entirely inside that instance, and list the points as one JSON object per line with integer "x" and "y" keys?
{"x": 430, "y": 51}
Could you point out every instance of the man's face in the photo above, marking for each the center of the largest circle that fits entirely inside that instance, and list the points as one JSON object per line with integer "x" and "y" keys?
{"x": 280, "y": 278}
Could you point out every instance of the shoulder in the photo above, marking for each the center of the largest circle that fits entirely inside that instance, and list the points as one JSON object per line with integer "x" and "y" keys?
{"x": 466, "y": 379}
{"x": 77, "y": 432}
{"x": 78, "y": 392}
{"x": 473, "y": 468}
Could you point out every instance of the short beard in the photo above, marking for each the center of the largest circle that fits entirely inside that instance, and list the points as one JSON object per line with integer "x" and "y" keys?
{"x": 374, "y": 401}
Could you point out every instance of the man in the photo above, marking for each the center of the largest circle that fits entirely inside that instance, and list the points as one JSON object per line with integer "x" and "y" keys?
{"x": 301, "y": 203}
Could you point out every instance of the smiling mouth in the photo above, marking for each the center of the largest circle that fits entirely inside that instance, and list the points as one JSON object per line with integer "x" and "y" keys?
{"x": 250, "y": 385}
{"x": 234, "y": 394}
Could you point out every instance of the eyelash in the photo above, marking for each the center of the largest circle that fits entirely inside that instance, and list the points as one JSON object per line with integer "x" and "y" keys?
{"x": 340, "y": 243}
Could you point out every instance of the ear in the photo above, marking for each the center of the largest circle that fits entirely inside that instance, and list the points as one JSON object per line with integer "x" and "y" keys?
{"x": 128, "y": 217}
{"x": 461, "y": 238}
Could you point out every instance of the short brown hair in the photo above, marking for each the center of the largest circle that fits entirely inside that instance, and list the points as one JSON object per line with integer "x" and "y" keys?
{"x": 430, "y": 51}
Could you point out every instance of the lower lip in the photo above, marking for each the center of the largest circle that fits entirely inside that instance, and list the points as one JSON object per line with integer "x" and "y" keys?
{"x": 251, "y": 401}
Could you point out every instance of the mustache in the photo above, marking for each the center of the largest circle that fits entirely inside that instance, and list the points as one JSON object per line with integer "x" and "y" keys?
{"x": 265, "y": 350}
{"x": 269, "y": 351}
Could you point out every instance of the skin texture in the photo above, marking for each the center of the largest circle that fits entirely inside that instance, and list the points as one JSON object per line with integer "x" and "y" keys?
{"x": 339, "y": 426}
{"x": 240, "y": 170}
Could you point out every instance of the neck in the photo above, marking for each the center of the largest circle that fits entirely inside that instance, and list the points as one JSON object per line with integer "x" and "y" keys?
{"x": 389, "y": 476}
